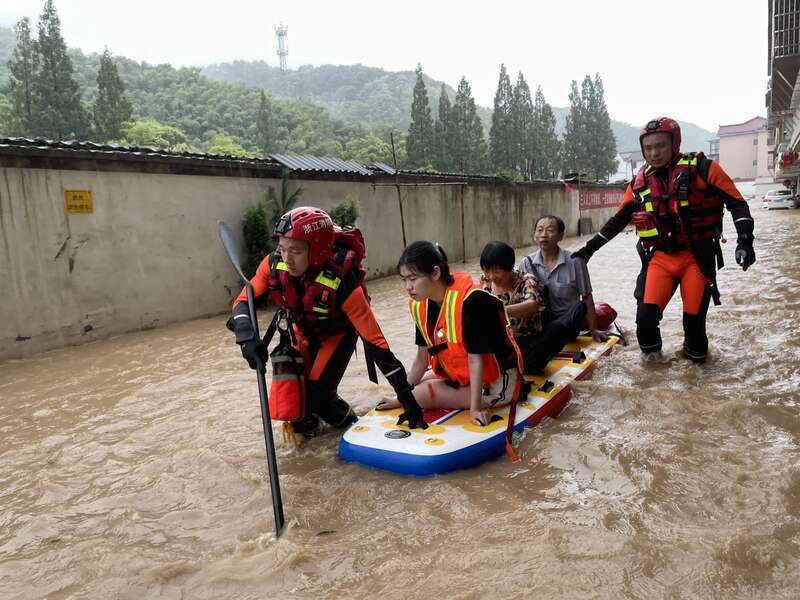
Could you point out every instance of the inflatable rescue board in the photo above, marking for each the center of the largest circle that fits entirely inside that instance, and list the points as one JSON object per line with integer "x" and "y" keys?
{"x": 451, "y": 441}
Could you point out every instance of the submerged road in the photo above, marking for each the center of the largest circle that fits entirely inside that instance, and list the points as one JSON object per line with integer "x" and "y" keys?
{"x": 134, "y": 468}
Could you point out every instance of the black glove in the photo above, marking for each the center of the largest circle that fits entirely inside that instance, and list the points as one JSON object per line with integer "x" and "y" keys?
{"x": 592, "y": 246}
{"x": 745, "y": 255}
{"x": 583, "y": 253}
{"x": 254, "y": 352}
{"x": 412, "y": 413}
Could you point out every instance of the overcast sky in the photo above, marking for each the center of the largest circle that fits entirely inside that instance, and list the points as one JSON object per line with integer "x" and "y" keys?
{"x": 701, "y": 61}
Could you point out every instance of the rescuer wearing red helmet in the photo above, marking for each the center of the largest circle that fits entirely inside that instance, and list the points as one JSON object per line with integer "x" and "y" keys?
{"x": 315, "y": 275}
{"x": 676, "y": 204}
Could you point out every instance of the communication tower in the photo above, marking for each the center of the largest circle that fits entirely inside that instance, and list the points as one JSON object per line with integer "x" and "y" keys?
{"x": 281, "y": 31}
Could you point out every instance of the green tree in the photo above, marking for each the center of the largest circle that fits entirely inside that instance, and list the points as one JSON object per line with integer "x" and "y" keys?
{"x": 57, "y": 98}
{"x": 265, "y": 134}
{"x": 345, "y": 214}
{"x": 420, "y": 141}
{"x": 546, "y": 147}
{"x": 23, "y": 68}
{"x": 469, "y": 144}
{"x": 520, "y": 131}
{"x": 573, "y": 148}
{"x": 226, "y": 145}
{"x": 367, "y": 150}
{"x": 502, "y": 152}
{"x": 443, "y": 134}
{"x": 147, "y": 132}
{"x": 603, "y": 144}
{"x": 111, "y": 108}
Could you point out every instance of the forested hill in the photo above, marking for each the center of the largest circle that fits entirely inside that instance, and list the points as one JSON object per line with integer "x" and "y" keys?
{"x": 375, "y": 98}
{"x": 378, "y": 99}
{"x": 316, "y": 109}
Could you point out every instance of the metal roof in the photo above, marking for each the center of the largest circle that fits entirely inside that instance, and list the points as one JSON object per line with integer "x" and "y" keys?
{"x": 111, "y": 150}
{"x": 380, "y": 166}
{"x": 306, "y": 162}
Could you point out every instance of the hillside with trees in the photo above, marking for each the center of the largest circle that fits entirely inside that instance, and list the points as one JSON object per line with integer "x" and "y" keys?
{"x": 251, "y": 108}
{"x": 378, "y": 99}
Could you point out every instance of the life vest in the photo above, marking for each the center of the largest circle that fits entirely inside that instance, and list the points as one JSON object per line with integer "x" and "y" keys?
{"x": 686, "y": 212}
{"x": 311, "y": 298}
{"x": 448, "y": 354}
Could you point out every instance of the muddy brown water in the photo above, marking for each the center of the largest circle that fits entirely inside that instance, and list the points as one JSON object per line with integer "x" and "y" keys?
{"x": 134, "y": 468}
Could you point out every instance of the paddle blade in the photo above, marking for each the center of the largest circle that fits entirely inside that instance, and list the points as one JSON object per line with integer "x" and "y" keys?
{"x": 228, "y": 241}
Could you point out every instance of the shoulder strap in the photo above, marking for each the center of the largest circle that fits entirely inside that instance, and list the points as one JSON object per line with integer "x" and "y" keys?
{"x": 703, "y": 165}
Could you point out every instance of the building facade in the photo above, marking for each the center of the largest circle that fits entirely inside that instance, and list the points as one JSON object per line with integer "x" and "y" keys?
{"x": 783, "y": 93}
{"x": 743, "y": 150}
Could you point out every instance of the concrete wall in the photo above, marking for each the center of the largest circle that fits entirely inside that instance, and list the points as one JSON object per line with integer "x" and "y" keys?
{"x": 149, "y": 252}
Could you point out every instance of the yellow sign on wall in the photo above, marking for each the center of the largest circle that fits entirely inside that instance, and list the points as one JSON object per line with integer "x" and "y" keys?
{"x": 78, "y": 201}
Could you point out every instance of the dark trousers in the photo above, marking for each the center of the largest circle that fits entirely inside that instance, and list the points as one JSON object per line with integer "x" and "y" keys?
{"x": 538, "y": 349}
{"x": 327, "y": 360}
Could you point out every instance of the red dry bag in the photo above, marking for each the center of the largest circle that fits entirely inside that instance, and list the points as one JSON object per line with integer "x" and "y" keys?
{"x": 287, "y": 392}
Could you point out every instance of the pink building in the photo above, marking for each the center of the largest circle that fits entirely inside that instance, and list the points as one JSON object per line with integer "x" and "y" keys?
{"x": 743, "y": 149}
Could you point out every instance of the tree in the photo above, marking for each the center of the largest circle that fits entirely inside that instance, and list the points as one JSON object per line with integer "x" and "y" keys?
{"x": 604, "y": 145}
{"x": 573, "y": 148}
{"x": 367, "y": 150}
{"x": 443, "y": 134}
{"x": 469, "y": 145}
{"x": 151, "y": 133}
{"x": 265, "y": 134}
{"x": 59, "y": 112}
{"x": 226, "y": 145}
{"x": 111, "y": 108}
{"x": 501, "y": 134}
{"x": 589, "y": 144}
{"x": 521, "y": 127}
{"x": 23, "y": 67}
{"x": 419, "y": 143}
{"x": 546, "y": 147}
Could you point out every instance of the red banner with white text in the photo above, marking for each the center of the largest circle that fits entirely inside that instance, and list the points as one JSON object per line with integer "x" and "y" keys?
{"x": 600, "y": 198}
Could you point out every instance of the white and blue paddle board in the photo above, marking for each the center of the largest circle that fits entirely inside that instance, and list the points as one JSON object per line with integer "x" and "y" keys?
{"x": 451, "y": 441}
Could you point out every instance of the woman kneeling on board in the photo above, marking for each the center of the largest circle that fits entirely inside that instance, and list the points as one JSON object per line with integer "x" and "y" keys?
{"x": 462, "y": 333}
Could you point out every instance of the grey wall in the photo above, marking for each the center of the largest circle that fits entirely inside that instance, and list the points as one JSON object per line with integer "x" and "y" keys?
{"x": 149, "y": 252}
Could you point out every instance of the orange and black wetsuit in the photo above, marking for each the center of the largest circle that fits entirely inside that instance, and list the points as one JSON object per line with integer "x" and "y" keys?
{"x": 685, "y": 202}
{"x": 327, "y": 343}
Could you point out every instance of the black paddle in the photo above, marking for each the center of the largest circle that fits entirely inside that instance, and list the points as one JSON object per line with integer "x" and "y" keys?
{"x": 226, "y": 236}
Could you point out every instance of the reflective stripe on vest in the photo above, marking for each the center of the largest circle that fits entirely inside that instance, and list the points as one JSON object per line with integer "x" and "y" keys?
{"x": 327, "y": 281}
{"x": 450, "y": 299}
{"x": 450, "y": 359}
{"x": 647, "y": 233}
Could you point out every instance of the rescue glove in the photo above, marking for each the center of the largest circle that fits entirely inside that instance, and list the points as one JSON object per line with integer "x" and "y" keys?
{"x": 412, "y": 413}
{"x": 592, "y": 246}
{"x": 583, "y": 253}
{"x": 254, "y": 352}
{"x": 745, "y": 255}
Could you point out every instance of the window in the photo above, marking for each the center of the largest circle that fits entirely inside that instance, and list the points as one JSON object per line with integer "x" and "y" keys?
{"x": 755, "y": 163}
{"x": 755, "y": 142}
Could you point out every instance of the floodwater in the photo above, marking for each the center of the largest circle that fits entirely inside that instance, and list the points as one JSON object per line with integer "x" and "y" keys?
{"x": 134, "y": 468}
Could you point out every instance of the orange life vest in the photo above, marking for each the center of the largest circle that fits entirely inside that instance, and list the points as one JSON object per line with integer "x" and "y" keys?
{"x": 685, "y": 212}
{"x": 448, "y": 353}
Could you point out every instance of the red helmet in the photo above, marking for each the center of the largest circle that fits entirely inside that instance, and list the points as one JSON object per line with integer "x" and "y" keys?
{"x": 311, "y": 225}
{"x": 663, "y": 125}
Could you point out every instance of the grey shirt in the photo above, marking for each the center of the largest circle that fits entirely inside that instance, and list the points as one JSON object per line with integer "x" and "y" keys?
{"x": 566, "y": 284}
